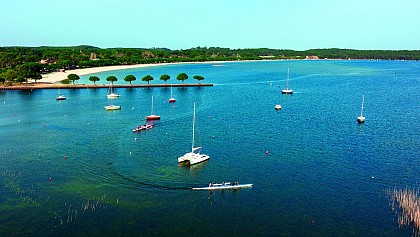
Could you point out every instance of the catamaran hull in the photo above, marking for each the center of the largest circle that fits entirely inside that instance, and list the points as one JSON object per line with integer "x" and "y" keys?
{"x": 193, "y": 158}
{"x": 223, "y": 187}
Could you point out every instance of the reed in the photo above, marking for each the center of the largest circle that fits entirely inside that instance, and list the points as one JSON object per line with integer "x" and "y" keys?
{"x": 406, "y": 204}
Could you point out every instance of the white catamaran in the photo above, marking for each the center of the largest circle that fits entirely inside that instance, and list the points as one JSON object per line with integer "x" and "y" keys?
{"x": 287, "y": 90}
{"x": 193, "y": 157}
{"x": 361, "y": 118}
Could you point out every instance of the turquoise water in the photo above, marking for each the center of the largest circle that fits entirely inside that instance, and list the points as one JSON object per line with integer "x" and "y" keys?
{"x": 324, "y": 175}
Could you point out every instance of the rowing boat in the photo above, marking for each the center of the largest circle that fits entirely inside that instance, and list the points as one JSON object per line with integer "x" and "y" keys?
{"x": 224, "y": 186}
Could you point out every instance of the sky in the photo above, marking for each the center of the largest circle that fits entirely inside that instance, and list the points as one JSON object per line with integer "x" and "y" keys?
{"x": 184, "y": 24}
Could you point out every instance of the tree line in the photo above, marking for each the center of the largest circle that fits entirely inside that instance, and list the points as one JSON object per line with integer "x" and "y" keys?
{"x": 23, "y": 63}
{"x": 130, "y": 78}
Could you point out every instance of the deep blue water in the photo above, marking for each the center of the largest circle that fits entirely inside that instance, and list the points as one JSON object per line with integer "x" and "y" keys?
{"x": 324, "y": 175}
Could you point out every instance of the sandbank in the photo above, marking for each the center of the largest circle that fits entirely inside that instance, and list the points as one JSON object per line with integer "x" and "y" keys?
{"x": 60, "y": 76}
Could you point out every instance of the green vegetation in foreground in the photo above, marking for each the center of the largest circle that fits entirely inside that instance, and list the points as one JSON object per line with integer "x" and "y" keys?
{"x": 31, "y": 62}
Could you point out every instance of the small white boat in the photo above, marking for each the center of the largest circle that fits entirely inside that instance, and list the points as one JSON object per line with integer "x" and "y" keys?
{"x": 60, "y": 97}
{"x": 277, "y": 107}
{"x": 224, "y": 186}
{"x": 361, "y": 118}
{"x": 143, "y": 127}
{"x": 193, "y": 157}
{"x": 111, "y": 94}
{"x": 172, "y": 99}
{"x": 287, "y": 90}
{"x": 112, "y": 107}
{"x": 152, "y": 116}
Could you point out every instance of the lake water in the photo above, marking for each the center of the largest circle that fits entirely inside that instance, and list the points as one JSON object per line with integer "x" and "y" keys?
{"x": 70, "y": 168}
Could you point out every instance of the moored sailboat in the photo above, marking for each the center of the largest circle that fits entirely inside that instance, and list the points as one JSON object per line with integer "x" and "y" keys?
{"x": 361, "y": 118}
{"x": 111, "y": 94}
{"x": 287, "y": 90}
{"x": 193, "y": 157}
{"x": 112, "y": 107}
{"x": 60, "y": 97}
{"x": 152, "y": 116}
{"x": 172, "y": 99}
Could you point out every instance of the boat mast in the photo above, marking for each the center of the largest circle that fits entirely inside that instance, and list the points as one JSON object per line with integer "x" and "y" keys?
{"x": 363, "y": 101}
{"x": 192, "y": 146}
{"x": 152, "y": 106}
{"x": 287, "y": 81}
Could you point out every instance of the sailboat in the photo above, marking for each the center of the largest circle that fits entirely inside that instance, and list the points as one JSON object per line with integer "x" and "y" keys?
{"x": 111, "y": 94}
{"x": 193, "y": 157}
{"x": 152, "y": 116}
{"x": 60, "y": 97}
{"x": 361, "y": 118}
{"x": 172, "y": 99}
{"x": 112, "y": 107}
{"x": 287, "y": 90}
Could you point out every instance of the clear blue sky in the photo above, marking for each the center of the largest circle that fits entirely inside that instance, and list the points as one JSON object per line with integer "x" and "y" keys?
{"x": 182, "y": 24}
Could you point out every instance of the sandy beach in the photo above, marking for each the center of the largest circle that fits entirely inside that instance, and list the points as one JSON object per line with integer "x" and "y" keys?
{"x": 60, "y": 76}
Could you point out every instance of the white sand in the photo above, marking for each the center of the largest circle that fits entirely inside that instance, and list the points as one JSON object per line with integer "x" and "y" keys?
{"x": 60, "y": 76}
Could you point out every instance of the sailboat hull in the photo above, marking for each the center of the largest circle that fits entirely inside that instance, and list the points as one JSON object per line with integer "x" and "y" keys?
{"x": 153, "y": 117}
{"x": 360, "y": 119}
{"x": 113, "y": 107}
{"x": 113, "y": 95}
{"x": 285, "y": 91}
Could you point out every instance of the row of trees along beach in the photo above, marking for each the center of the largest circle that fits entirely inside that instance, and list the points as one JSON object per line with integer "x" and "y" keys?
{"x": 130, "y": 78}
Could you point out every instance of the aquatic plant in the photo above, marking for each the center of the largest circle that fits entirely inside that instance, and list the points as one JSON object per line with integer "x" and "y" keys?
{"x": 406, "y": 204}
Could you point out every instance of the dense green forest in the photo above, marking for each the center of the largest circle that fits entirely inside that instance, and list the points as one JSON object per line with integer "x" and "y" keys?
{"x": 22, "y": 63}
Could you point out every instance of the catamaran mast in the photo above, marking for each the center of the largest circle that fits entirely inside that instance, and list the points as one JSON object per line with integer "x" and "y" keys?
{"x": 192, "y": 146}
